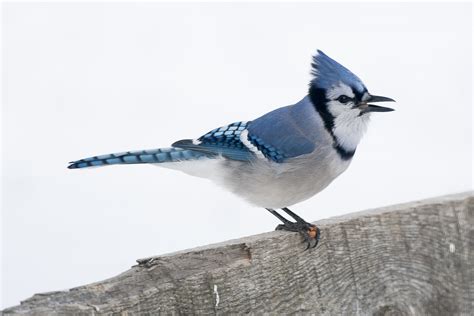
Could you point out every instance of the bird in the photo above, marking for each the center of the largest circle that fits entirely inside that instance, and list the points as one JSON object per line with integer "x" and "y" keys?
{"x": 281, "y": 158}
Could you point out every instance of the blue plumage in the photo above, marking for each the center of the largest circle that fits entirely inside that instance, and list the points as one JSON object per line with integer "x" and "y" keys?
{"x": 223, "y": 141}
{"x": 290, "y": 130}
{"x": 285, "y": 141}
{"x": 141, "y": 156}
{"x": 268, "y": 151}
{"x": 329, "y": 73}
{"x": 226, "y": 141}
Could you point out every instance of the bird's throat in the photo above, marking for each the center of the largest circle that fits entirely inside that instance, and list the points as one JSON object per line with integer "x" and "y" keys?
{"x": 345, "y": 132}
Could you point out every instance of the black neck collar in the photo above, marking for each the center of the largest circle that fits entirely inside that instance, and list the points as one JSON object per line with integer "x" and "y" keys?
{"x": 319, "y": 100}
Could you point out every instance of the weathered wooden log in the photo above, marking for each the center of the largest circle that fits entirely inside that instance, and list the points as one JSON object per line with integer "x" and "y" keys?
{"x": 409, "y": 259}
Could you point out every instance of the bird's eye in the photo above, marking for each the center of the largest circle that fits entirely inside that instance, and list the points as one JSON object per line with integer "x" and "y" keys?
{"x": 343, "y": 99}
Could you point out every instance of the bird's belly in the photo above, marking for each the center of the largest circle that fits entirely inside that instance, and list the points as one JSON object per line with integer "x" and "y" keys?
{"x": 269, "y": 184}
{"x": 273, "y": 185}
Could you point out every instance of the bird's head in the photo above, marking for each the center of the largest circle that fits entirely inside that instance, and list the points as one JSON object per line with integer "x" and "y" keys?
{"x": 342, "y": 100}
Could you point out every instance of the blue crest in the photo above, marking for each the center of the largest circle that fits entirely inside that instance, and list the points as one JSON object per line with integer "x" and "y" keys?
{"x": 327, "y": 73}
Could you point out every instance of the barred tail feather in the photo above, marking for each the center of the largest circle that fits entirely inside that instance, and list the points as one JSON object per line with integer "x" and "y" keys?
{"x": 160, "y": 155}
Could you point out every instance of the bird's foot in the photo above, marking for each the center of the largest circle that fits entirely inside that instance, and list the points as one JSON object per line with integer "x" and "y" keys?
{"x": 309, "y": 232}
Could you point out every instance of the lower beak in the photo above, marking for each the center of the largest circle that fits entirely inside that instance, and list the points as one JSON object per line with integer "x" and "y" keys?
{"x": 375, "y": 108}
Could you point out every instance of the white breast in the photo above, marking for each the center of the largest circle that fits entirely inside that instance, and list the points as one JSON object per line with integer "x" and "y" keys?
{"x": 277, "y": 185}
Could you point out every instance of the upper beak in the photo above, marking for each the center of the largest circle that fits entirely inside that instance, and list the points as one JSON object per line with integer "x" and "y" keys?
{"x": 375, "y": 108}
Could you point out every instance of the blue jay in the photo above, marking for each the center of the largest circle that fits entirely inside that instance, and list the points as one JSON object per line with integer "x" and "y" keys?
{"x": 281, "y": 158}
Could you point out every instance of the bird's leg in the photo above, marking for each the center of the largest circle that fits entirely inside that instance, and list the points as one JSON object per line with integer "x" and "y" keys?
{"x": 309, "y": 231}
{"x": 281, "y": 218}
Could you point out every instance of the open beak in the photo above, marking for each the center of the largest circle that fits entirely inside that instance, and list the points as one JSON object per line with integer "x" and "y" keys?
{"x": 365, "y": 107}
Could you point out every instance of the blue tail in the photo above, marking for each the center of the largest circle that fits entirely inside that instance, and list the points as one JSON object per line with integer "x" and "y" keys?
{"x": 142, "y": 156}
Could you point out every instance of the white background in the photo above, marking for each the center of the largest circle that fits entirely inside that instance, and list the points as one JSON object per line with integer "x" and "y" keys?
{"x": 87, "y": 79}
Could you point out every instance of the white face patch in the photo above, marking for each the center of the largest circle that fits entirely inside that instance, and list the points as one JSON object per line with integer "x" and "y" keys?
{"x": 337, "y": 91}
{"x": 334, "y": 106}
{"x": 349, "y": 125}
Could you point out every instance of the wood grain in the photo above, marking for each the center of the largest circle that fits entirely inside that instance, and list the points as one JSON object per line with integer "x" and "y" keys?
{"x": 409, "y": 259}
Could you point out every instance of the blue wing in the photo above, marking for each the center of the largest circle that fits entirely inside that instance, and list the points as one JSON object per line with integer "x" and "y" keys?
{"x": 284, "y": 133}
{"x": 287, "y": 132}
{"x": 223, "y": 141}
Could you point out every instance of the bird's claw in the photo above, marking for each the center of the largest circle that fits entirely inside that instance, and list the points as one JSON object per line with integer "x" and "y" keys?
{"x": 309, "y": 232}
{"x": 311, "y": 237}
